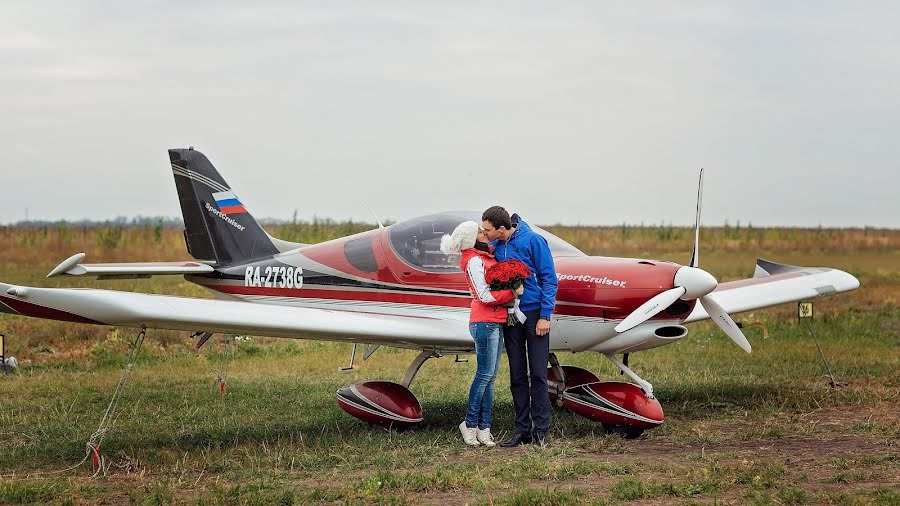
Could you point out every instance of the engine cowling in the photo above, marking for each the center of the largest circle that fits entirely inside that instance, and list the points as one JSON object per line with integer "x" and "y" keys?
{"x": 615, "y": 404}
{"x": 381, "y": 402}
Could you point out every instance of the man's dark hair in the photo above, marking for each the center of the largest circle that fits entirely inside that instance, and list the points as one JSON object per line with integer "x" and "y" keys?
{"x": 498, "y": 217}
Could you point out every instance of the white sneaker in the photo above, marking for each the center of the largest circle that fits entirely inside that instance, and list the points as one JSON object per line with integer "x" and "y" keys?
{"x": 469, "y": 435}
{"x": 485, "y": 437}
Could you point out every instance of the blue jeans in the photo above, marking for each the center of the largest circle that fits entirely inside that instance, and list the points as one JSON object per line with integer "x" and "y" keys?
{"x": 488, "y": 343}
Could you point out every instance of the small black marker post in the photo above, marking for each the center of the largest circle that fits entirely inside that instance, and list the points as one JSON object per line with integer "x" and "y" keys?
{"x": 6, "y": 369}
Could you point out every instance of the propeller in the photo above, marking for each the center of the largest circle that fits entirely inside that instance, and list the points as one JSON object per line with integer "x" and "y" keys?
{"x": 650, "y": 308}
{"x": 695, "y": 255}
{"x": 717, "y": 313}
{"x": 691, "y": 282}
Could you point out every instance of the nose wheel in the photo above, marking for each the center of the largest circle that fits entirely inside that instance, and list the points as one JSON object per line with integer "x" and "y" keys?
{"x": 624, "y": 409}
{"x": 623, "y": 431}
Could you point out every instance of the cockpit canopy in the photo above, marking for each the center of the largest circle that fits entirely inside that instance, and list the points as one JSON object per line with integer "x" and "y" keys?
{"x": 418, "y": 241}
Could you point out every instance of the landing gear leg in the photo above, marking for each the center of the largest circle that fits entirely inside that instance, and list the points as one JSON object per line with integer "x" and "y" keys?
{"x": 416, "y": 365}
{"x": 352, "y": 357}
{"x": 646, "y": 387}
{"x": 559, "y": 384}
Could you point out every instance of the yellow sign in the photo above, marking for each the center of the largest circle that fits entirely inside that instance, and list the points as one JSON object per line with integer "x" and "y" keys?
{"x": 2, "y": 346}
{"x": 805, "y": 310}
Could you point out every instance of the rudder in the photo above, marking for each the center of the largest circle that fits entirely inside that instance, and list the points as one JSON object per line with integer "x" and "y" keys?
{"x": 217, "y": 226}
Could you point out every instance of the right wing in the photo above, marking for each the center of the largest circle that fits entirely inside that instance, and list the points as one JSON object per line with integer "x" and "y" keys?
{"x": 127, "y": 309}
{"x": 774, "y": 284}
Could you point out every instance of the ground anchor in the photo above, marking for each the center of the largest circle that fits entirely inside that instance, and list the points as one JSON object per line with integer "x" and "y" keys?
{"x": 805, "y": 314}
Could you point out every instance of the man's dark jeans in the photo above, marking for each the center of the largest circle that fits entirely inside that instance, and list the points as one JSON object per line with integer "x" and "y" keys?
{"x": 523, "y": 348}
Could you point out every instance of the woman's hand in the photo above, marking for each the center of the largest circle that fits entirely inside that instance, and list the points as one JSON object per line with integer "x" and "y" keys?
{"x": 520, "y": 290}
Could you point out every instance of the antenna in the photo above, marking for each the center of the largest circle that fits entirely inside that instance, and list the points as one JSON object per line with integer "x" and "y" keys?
{"x": 380, "y": 225}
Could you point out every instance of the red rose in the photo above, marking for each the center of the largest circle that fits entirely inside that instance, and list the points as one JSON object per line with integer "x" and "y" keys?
{"x": 508, "y": 274}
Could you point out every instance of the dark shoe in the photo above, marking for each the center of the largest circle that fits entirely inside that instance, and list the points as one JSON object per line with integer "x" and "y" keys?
{"x": 516, "y": 440}
{"x": 542, "y": 439}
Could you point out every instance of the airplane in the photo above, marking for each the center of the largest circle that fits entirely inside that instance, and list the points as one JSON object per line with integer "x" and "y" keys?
{"x": 392, "y": 286}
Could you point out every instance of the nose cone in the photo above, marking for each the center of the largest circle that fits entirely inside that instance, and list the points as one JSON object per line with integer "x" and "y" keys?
{"x": 696, "y": 282}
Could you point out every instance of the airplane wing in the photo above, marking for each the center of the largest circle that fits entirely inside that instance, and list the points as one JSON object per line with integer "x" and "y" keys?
{"x": 127, "y": 309}
{"x": 774, "y": 284}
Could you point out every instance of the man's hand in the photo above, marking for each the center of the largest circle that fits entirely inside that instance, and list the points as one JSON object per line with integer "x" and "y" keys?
{"x": 543, "y": 327}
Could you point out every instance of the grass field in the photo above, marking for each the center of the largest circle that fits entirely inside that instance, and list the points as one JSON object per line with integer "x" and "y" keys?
{"x": 759, "y": 428}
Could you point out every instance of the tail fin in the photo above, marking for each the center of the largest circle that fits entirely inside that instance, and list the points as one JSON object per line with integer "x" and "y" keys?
{"x": 217, "y": 225}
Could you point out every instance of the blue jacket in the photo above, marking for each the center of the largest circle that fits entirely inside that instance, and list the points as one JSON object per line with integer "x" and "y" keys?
{"x": 532, "y": 250}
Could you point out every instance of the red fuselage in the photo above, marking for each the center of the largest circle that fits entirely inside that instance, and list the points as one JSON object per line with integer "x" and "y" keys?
{"x": 373, "y": 267}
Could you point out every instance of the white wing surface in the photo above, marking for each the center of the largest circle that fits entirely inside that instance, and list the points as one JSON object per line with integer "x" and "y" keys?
{"x": 128, "y": 309}
{"x": 774, "y": 284}
{"x": 72, "y": 267}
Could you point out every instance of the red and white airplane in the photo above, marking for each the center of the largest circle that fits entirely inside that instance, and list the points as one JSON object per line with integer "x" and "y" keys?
{"x": 393, "y": 287}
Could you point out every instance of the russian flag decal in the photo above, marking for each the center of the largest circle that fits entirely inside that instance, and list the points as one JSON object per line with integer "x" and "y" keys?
{"x": 228, "y": 203}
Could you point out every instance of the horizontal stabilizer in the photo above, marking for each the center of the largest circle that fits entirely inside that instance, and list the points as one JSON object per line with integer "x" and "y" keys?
{"x": 72, "y": 267}
{"x": 768, "y": 268}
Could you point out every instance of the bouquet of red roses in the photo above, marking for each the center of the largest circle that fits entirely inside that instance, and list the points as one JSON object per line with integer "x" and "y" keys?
{"x": 508, "y": 275}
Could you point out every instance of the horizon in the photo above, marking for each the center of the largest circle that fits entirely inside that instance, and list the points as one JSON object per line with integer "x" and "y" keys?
{"x": 177, "y": 221}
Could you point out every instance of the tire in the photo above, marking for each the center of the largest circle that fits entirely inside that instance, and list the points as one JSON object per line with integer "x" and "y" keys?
{"x": 623, "y": 431}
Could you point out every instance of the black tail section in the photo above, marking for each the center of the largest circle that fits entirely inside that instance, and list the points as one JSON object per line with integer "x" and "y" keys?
{"x": 217, "y": 225}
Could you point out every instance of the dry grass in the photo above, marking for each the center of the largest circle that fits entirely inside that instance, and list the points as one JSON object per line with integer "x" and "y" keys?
{"x": 730, "y": 253}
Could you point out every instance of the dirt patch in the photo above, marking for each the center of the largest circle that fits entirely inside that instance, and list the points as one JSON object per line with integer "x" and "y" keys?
{"x": 832, "y": 460}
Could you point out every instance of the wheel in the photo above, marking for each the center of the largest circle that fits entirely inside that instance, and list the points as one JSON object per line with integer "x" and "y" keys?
{"x": 623, "y": 431}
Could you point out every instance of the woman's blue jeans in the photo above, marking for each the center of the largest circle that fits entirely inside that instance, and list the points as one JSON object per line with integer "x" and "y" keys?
{"x": 488, "y": 343}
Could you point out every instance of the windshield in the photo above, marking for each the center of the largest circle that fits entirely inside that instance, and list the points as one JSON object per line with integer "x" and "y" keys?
{"x": 418, "y": 241}
{"x": 558, "y": 247}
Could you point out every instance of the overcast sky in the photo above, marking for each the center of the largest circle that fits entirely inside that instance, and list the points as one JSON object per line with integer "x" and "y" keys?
{"x": 572, "y": 112}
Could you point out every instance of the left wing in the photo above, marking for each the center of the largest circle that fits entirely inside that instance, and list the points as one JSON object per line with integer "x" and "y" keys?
{"x": 774, "y": 284}
{"x": 127, "y": 309}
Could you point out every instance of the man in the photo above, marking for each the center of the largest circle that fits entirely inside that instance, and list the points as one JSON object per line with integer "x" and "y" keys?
{"x": 528, "y": 344}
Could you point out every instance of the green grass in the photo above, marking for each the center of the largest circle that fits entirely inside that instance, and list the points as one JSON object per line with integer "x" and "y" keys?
{"x": 280, "y": 437}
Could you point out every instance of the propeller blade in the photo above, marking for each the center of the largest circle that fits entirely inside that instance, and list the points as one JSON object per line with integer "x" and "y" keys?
{"x": 695, "y": 256}
{"x": 650, "y": 308}
{"x": 717, "y": 313}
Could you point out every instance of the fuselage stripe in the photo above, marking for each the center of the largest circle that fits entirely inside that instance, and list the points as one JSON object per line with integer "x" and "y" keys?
{"x": 421, "y": 300}
{"x": 181, "y": 171}
{"x": 358, "y": 304}
{"x": 605, "y": 407}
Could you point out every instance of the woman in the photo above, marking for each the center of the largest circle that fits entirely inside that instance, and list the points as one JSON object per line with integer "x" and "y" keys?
{"x": 486, "y": 320}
